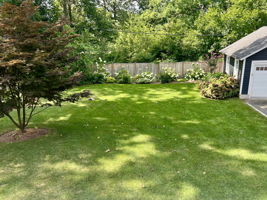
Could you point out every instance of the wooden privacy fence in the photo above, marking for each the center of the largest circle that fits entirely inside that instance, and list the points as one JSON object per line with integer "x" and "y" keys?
{"x": 179, "y": 67}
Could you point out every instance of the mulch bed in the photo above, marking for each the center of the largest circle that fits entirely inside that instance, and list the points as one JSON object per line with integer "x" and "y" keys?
{"x": 17, "y": 136}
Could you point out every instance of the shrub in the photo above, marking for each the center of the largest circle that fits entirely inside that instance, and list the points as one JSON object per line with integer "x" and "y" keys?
{"x": 145, "y": 77}
{"x": 220, "y": 88}
{"x": 195, "y": 74}
{"x": 123, "y": 77}
{"x": 94, "y": 78}
{"x": 216, "y": 75}
{"x": 168, "y": 75}
{"x": 110, "y": 79}
{"x": 97, "y": 75}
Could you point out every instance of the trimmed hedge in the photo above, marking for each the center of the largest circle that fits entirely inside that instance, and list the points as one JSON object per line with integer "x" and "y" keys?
{"x": 220, "y": 88}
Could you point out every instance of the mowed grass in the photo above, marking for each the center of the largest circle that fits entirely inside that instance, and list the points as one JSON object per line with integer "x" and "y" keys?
{"x": 140, "y": 142}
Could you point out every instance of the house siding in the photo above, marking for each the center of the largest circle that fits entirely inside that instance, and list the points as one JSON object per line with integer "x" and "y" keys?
{"x": 262, "y": 55}
{"x": 224, "y": 64}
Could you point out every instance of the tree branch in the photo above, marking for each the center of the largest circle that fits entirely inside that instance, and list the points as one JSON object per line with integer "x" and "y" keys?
{"x": 23, "y": 112}
{"x": 14, "y": 122}
{"x": 31, "y": 113}
{"x": 40, "y": 111}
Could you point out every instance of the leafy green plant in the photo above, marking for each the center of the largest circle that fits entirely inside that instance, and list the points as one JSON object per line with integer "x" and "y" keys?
{"x": 110, "y": 79}
{"x": 220, "y": 88}
{"x": 168, "y": 75}
{"x": 95, "y": 78}
{"x": 195, "y": 74}
{"x": 216, "y": 75}
{"x": 98, "y": 75}
{"x": 123, "y": 77}
{"x": 145, "y": 78}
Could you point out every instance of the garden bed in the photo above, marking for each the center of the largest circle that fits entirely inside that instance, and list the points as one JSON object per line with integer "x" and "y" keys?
{"x": 18, "y": 136}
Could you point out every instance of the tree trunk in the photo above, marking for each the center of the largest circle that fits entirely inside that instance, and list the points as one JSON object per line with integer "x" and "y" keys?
{"x": 65, "y": 4}
{"x": 70, "y": 12}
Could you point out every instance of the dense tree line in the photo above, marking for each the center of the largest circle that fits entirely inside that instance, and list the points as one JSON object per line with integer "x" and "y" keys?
{"x": 194, "y": 28}
{"x": 153, "y": 30}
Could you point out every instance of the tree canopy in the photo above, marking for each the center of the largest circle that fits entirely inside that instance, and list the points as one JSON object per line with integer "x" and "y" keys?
{"x": 186, "y": 29}
{"x": 34, "y": 63}
{"x": 154, "y": 30}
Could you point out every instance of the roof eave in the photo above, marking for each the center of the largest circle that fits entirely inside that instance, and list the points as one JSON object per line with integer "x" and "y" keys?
{"x": 231, "y": 55}
{"x": 257, "y": 51}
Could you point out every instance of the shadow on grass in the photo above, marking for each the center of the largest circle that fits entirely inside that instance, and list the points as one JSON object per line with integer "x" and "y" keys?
{"x": 141, "y": 142}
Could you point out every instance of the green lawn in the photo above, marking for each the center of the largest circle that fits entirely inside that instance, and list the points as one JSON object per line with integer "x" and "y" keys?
{"x": 140, "y": 142}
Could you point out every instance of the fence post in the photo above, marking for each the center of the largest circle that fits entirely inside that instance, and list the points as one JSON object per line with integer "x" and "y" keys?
{"x": 112, "y": 69}
{"x": 135, "y": 69}
{"x": 183, "y": 72}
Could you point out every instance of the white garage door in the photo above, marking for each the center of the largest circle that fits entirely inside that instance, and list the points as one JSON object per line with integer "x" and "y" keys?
{"x": 258, "y": 87}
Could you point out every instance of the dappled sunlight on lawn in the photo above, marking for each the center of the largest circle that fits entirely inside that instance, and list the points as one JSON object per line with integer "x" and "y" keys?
{"x": 81, "y": 104}
{"x": 140, "y": 142}
{"x": 188, "y": 192}
{"x": 184, "y": 136}
{"x": 65, "y": 167}
{"x": 116, "y": 96}
{"x": 110, "y": 94}
{"x": 156, "y": 94}
{"x": 164, "y": 94}
{"x": 187, "y": 122}
{"x": 63, "y": 118}
{"x": 239, "y": 153}
{"x": 134, "y": 184}
{"x": 130, "y": 150}
{"x": 100, "y": 118}
{"x": 248, "y": 172}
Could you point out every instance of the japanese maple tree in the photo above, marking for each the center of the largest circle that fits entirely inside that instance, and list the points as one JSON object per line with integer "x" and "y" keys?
{"x": 34, "y": 60}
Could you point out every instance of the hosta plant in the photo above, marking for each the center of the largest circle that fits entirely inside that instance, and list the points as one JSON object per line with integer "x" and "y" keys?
{"x": 195, "y": 74}
{"x": 168, "y": 75}
{"x": 145, "y": 78}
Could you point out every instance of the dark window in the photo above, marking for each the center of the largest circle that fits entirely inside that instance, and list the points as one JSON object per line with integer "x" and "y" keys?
{"x": 241, "y": 62}
{"x": 261, "y": 68}
{"x": 232, "y": 64}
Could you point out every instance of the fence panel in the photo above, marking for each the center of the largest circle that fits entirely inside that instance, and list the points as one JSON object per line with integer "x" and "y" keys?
{"x": 179, "y": 67}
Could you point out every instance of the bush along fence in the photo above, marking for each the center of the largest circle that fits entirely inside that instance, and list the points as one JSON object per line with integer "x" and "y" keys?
{"x": 180, "y": 68}
{"x": 213, "y": 83}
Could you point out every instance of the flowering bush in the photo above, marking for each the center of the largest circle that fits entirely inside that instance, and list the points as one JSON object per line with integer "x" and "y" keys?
{"x": 145, "y": 77}
{"x": 195, "y": 74}
{"x": 220, "y": 88}
{"x": 168, "y": 75}
{"x": 98, "y": 74}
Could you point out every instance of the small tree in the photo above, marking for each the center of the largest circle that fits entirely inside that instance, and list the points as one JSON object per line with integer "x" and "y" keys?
{"x": 212, "y": 60}
{"x": 34, "y": 59}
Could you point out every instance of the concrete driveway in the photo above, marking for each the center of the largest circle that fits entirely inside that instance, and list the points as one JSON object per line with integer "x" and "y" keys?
{"x": 259, "y": 105}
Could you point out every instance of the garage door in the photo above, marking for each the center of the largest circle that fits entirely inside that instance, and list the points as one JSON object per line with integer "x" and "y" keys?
{"x": 258, "y": 87}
